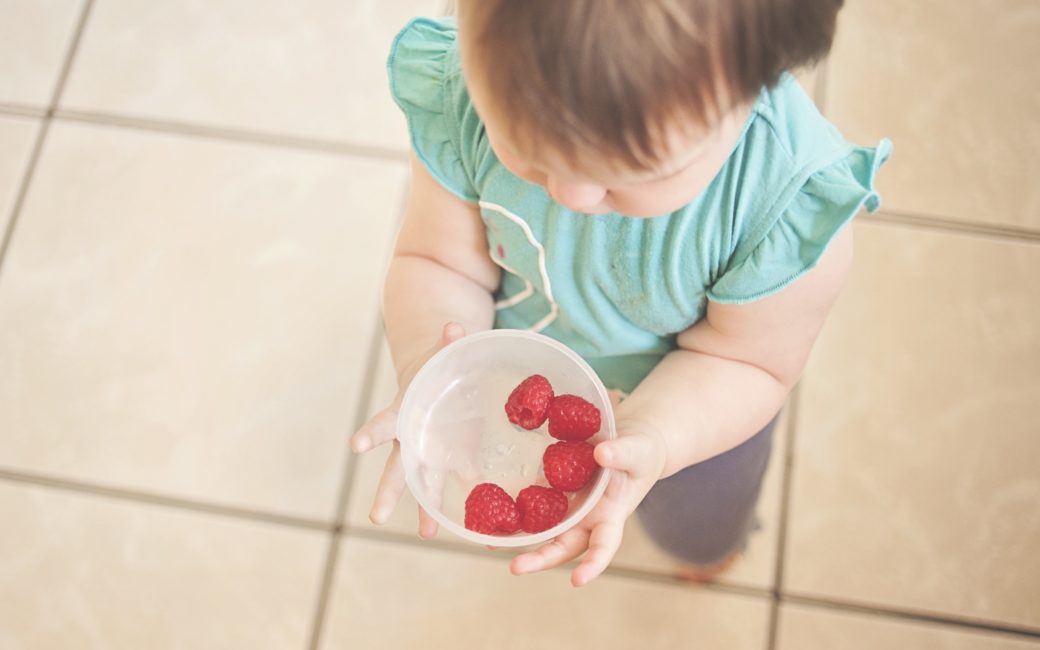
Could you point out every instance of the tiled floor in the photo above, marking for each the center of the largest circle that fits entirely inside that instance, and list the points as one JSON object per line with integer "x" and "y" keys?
{"x": 201, "y": 198}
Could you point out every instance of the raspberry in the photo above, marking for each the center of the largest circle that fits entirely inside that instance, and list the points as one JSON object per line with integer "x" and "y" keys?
{"x": 529, "y": 402}
{"x": 541, "y": 508}
{"x": 489, "y": 510}
{"x": 569, "y": 465}
{"x": 572, "y": 418}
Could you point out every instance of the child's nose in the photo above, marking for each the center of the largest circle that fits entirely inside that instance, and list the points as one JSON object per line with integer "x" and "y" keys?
{"x": 579, "y": 197}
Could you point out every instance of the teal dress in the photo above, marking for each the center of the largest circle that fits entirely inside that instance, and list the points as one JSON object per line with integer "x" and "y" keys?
{"x": 619, "y": 289}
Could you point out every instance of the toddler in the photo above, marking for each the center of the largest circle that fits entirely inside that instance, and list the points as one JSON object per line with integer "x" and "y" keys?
{"x": 646, "y": 183}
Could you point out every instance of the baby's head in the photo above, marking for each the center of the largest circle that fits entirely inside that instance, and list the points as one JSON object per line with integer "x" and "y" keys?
{"x": 628, "y": 105}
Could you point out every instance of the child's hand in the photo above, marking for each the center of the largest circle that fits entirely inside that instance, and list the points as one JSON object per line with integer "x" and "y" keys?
{"x": 637, "y": 458}
{"x": 383, "y": 428}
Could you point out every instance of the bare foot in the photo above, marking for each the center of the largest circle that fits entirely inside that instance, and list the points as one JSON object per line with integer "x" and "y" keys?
{"x": 702, "y": 574}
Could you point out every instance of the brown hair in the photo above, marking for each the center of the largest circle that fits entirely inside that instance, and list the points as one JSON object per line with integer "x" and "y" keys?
{"x": 607, "y": 76}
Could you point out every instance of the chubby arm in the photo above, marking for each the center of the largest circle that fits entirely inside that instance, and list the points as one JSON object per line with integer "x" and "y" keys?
{"x": 440, "y": 271}
{"x": 734, "y": 368}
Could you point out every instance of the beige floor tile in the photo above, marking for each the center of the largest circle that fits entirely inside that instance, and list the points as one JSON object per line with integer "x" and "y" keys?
{"x": 192, "y": 317}
{"x": 402, "y": 596}
{"x": 954, "y": 86}
{"x": 17, "y": 135}
{"x": 916, "y": 481}
{"x": 811, "y": 628}
{"x": 84, "y": 572}
{"x": 315, "y": 68}
{"x": 34, "y": 38}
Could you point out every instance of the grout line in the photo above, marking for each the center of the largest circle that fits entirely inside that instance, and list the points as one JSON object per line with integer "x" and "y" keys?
{"x": 41, "y": 135}
{"x": 923, "y": 220}
{"x": 235, "y": 135}
{"x": 23, "y": 190}
{"x": 364, "y": 397}
{"x": 437, "y": 545}
{"x": 912, "y": 615}
{"x": 83, "y": 487}
{"x": 400, "y": 539}
{"x": 372, "y": 367}
{"x": 930, "y": 222}
{"x": 364, "y": 400}
{"x": 324, "y": 589}
{"x": 661, "y": 578}
{"x": 383, "y": 153}
{"x": 66, "y": 65}
{"x": 785, "y": 506}
{"x": 22, "y": 110}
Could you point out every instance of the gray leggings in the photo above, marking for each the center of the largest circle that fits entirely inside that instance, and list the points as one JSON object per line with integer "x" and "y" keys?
{"x": 704, "y": 512}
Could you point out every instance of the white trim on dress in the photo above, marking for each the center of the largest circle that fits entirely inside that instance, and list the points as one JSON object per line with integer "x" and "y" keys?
{"x": 528, "y": 291}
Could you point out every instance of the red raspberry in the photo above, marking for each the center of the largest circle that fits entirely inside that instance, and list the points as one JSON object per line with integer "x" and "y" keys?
{"x": 572, "y": 418}
{"x": 529, "y": 402}
{"x": 490, "y": 510}
{"x": 541, "y": 508}
{"x": 569, "y": 465}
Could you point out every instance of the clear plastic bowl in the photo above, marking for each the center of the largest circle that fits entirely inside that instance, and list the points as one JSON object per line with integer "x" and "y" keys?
{"x": 454, "y": 432}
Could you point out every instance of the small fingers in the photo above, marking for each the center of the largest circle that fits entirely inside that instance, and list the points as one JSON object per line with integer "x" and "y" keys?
{"x": 433, "y": 489}
{"x": 427, "y": 525}
{"x": 391, "y": 485}
{"x": 603, "y": 545}
{"x": 563, "y": 549}
{"x": 378, "y": 430}
{"x": 638, "y": 455}
{"x": 452, "y": 332}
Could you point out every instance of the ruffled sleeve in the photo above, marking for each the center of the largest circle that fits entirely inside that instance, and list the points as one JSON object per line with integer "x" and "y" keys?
{"x": 803, "y": 226}
{"x": 420, "y": 68}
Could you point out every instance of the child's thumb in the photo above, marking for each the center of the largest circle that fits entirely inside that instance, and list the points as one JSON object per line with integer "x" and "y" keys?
{"x": 450, "y": 333}
{"x": 637, "y": 455}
